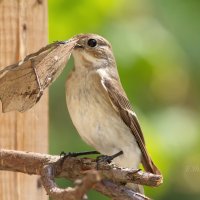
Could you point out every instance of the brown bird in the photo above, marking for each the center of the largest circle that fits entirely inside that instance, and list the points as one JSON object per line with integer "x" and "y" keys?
{"x": 99, "y": 107}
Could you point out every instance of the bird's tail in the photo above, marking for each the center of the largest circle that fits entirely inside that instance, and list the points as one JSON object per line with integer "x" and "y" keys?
{"x": 149, "y": 166}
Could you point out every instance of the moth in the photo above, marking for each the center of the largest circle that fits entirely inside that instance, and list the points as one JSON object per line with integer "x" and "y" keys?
{"x": 22, "y": 84}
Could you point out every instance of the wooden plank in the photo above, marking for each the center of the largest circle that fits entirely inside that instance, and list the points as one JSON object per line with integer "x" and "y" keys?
{"x": 23, "y": 30}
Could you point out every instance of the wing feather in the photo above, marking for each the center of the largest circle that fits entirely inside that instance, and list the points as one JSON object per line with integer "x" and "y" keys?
{"x": 122, "y": 105}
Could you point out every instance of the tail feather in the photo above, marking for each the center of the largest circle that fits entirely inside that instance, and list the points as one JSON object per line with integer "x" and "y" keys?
{"x": 150, "y": 166}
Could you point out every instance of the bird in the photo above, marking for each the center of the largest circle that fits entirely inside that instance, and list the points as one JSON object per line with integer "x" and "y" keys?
{"x": 100, "y": 109}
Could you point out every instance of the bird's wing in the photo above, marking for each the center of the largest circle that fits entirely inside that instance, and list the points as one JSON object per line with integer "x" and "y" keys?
{"x": 121, "y": 104}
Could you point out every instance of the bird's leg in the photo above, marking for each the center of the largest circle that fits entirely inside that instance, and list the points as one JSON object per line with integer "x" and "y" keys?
{"x": 75, "y": 154}
{"x": 65, "y": 155}
{"x": 107, "y": 159}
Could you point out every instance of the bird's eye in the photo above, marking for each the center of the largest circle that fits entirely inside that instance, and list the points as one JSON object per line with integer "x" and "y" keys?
{"x": 92, "y": 42}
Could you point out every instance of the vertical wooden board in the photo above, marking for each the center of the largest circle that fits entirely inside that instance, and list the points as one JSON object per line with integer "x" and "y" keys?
{"x": 23, "y": 30}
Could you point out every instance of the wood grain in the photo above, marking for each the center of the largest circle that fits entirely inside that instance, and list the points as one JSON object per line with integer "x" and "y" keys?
{"x": 23, "y": 30}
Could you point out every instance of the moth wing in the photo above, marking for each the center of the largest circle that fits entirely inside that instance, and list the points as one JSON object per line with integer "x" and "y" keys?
{"x": 22, "y": 84}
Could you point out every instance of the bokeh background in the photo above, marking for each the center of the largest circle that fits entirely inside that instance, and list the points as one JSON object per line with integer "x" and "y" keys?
{"x": 157, "y": 47}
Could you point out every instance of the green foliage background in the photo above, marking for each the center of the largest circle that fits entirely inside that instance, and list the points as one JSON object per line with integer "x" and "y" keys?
{"x": 157, "y": 45}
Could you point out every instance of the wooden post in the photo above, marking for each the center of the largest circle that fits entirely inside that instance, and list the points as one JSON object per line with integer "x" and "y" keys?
{"x": 23, "y": 29}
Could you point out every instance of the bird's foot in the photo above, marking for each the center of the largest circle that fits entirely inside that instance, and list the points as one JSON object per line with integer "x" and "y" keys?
{"x": 64, "y": 155}
{"x": 107, "y": 159}
{"x": 104, "y": 158}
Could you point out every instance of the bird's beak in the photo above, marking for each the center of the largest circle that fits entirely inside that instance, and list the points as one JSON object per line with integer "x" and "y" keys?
{"x": 78, "y": 46}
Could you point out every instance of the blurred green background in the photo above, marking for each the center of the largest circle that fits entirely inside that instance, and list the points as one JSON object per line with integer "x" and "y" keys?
{"x": 157, "y": 45}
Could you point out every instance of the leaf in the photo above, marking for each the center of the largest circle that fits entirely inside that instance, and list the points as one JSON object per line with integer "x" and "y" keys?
{"x": 22, "y": 84}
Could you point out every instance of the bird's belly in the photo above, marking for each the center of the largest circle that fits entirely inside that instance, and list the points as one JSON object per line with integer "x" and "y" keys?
{"x": 96, "y": 126}
{"x": 100, "y": 126}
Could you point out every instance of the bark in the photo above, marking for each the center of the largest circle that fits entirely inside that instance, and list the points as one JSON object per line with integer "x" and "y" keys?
{"x": 108, "y": 179}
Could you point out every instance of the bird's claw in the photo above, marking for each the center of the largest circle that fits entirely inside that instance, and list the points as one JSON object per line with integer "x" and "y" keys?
{"x": 69, "y": 154}
{"x": 103, "y": 159}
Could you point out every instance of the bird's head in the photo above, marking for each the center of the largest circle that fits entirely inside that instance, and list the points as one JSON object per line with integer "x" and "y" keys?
{"x": 92, "y": 50}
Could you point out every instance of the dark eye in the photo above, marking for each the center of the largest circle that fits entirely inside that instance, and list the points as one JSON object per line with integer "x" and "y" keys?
{"x": 92, "y": 42}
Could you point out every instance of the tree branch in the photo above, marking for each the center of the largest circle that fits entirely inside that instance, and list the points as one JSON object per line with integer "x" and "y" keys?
{"x": 109, "y": 179}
